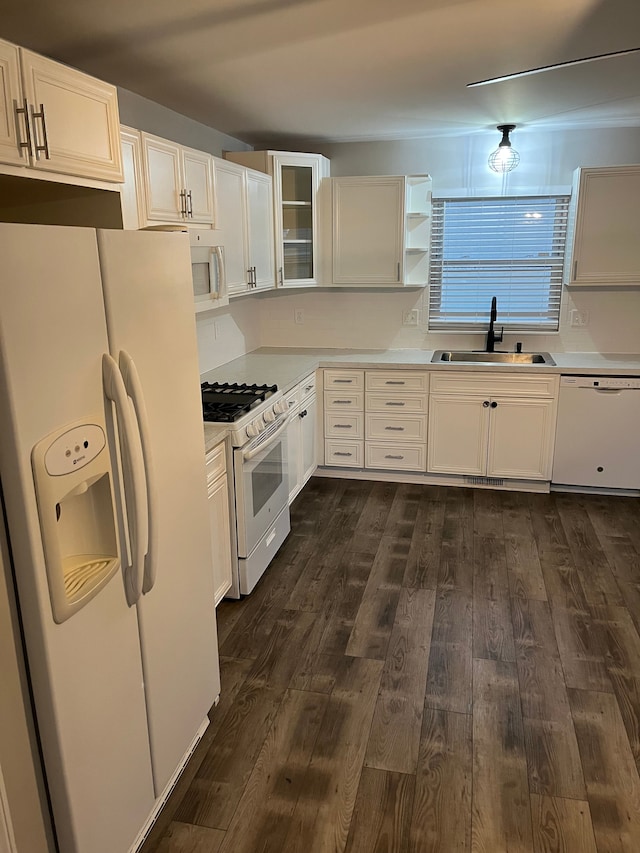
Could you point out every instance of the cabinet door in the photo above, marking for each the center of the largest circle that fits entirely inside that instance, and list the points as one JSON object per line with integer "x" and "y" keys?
{"x": 368, "y": 230}
{"x": 309, "y": 457}
{"x": 10, "y": 99}
{"x": 197, "y": 168}
{"x": 132, "y": 195}
{"x": 163, "y": 179}
{"x": 606, "y": 249}
{"x": 231, "y": 221}
{"x": 294, "y": 451}
{"x": 220, "y": 536}
{"x": 260, "y": 229}
{"x": 80, "y": 127}
{"x": 296, "y": 180}
{"x": 521, "y": 438}
{"x": 457, "y": 435}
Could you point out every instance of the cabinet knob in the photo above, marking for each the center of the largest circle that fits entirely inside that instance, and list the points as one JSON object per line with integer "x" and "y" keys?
{"x": 494, "y": 405}
{"x": 486, "y": 404}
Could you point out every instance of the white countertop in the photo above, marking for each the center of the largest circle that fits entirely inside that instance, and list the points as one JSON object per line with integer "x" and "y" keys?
{"x": 285, "y": 367}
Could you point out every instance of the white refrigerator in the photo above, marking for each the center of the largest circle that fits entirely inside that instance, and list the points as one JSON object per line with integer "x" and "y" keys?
{"x": 103, "y": 484}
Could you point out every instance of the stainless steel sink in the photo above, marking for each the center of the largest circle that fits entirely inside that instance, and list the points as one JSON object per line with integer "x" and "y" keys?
{"x": 462, "y": 356}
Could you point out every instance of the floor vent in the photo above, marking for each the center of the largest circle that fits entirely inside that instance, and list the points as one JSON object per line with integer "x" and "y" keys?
{"x": 484, "y": 481}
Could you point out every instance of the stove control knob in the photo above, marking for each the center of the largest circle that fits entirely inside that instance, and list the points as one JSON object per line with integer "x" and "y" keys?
{"x": 270, "y": 416}
{"x": 255, "y": 428}
{"x": 281, "y": 407}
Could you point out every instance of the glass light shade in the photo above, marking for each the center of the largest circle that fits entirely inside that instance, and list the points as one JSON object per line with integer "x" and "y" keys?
{"x": 504, "y": 159}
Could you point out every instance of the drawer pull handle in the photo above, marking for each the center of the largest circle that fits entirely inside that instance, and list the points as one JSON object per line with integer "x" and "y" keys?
{"x": 391, "y": 456}
{"x": 343, "y": 426}
{"x": 343, "y": 402}
{"x": 395, "y": 429}
{"x": 395, "y": 404}
{"x": 395, "y": 382}
{"x": 341, "y": 453}
{"x": 343, "y": 381}
{"x": 308, "y": 388}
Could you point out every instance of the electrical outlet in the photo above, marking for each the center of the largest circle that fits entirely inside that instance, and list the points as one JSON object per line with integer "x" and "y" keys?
{"x": 578, "y": 318}
{"x": 410, "y": 318}
{"x": 298, "y": 315}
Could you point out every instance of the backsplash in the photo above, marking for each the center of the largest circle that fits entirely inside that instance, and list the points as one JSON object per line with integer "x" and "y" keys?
{"x": 367, "y": 319}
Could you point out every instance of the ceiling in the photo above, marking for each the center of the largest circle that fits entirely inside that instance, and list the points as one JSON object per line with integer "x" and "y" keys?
{"x": 338, "y": 70}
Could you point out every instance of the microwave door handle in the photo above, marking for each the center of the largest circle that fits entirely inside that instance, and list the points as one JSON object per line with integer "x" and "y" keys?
{"x": 222, "y": 271}
{"x": 132, "y": 466}
{"x": 134, "y": 390}
{"x": 249, "y": 454}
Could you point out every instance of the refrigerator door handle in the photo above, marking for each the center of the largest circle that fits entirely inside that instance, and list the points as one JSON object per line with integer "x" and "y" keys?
{"x": 134, "y": 390}
{"x": 115, "y": 391}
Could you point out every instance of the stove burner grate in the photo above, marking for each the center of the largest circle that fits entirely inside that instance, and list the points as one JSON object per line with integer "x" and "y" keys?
{"x": 226, "y": 402}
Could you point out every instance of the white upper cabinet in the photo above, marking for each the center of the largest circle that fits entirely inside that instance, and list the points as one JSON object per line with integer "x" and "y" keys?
{"x": 297, "y": 178}
{"x": 602, "y": 234}
{"x": 179, "y": 182}
{"x": 11, "y": 99}
{"x": 57, "y": 119}
{"x": 260, "y": 229}
{"x": 132, "y": 193}
{"x": 381, "y": 230}
{"x": 244, "y": 217}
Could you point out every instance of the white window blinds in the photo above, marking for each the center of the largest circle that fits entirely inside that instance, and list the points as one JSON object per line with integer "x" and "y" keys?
{"x": 510, "y": 248}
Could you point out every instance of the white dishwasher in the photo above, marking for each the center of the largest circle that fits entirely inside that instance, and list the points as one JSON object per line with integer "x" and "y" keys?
{"x": 598, "y": 432}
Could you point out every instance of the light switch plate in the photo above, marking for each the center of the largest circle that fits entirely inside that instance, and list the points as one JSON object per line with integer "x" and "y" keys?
{"x": 411, "y": 317}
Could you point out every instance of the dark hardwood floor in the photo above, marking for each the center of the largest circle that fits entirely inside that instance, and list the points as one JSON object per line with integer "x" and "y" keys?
{"x": 427, "y": 670}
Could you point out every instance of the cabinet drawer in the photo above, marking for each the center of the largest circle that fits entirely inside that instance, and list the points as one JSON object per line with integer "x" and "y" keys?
{"x": 216, "y": 462}
{"x": 338, "y": 401}
{"x": 344, "y": 379}
{"x": 307, "y": 387}
{"x": 345, "y": 454}
{"x": 396, "y": 456}
{"x": 293, "y": 397}
{"x": 409, "y": 428}
{"x": 396, "y": 404}
{"x": 348, "y": 425}
{"x": 397, "y": 380}
{"x": 487, "y": 384}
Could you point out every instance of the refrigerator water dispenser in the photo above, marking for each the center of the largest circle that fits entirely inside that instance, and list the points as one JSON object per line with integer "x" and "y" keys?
{"x": 72, "y": 475}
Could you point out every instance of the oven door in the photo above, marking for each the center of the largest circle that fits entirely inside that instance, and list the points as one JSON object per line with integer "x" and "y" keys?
{"x": 261, "y": 483}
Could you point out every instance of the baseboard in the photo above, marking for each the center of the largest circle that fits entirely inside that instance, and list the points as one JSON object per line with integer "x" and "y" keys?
{"x": 468, "y": 482}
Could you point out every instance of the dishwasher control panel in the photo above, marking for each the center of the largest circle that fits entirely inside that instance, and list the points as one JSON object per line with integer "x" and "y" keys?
{"x": 613, "y": 382}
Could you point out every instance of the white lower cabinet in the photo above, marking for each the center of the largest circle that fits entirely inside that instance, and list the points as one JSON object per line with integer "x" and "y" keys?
{"x": 301, "y": 434}
{"x": 344, "y": 418}
{"x": 492, "y": 426}
{"x": 219, "y": 518}
{"x": 378, "y": 421}
{"x": 395, "y": 419}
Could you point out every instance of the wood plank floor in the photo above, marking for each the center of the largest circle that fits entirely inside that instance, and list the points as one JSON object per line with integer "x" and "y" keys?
{"x": 427, "y": 670}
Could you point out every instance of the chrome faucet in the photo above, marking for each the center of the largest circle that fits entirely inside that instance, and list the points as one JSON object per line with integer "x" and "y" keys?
{"x": 492, "y": 338}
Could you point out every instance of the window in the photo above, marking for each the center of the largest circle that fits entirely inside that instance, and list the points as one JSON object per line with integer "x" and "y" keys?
{"x": 510, "y": 248}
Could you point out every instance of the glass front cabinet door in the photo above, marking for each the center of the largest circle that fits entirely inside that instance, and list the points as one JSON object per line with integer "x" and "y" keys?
{"x": 296, "y": 182}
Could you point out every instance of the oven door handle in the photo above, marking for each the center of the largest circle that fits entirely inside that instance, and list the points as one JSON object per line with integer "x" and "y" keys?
{"x": 249, "y": 454}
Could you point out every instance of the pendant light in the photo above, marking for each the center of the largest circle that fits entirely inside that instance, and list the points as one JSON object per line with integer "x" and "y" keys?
{"x": 504, "y": 158}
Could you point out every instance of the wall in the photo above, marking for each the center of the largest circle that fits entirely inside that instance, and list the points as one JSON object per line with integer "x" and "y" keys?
{"x": 228, "y": 333}
{"x": 143, "y": 114}
{"x": 458, "y": 166}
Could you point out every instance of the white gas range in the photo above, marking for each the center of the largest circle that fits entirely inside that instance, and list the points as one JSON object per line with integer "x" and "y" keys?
{"x": 258, "y": 418}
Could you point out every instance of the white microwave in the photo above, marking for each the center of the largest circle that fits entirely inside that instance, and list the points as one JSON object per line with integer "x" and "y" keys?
{"x": 208, "y": 269}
